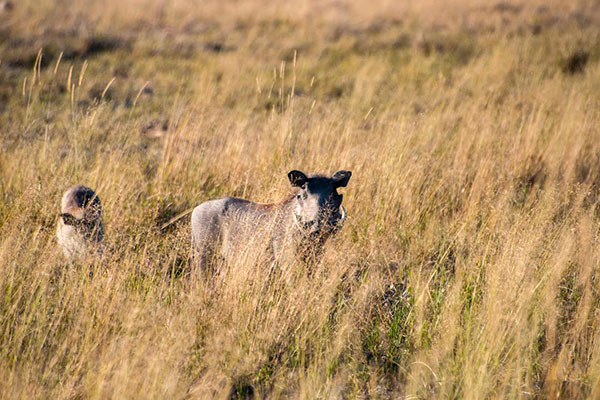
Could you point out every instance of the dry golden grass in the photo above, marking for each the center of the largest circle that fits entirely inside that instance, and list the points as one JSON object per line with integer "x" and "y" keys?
{"x": 469, "y": 265}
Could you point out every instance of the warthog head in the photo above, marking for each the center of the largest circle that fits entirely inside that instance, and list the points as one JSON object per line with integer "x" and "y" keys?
{"x": 81, "y": 208}
{"x": 318, "y": 206}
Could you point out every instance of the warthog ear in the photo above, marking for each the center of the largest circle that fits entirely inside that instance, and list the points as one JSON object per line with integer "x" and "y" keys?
{"x": 297, "y": 178}
{"x": 341, "y": 178}
{"x": 69, "y": 219}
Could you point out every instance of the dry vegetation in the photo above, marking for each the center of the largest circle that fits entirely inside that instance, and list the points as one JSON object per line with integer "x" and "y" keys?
{"x": 469, "y": 266}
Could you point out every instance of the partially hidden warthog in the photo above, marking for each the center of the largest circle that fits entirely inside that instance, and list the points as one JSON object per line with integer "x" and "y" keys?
{"x": 80, "y": 230}
{"x": 301, "y": 223}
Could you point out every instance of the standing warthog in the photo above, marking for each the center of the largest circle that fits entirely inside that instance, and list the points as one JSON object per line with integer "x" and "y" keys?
{"x": 301, "y": 223}
{"x": 80, "y": 230}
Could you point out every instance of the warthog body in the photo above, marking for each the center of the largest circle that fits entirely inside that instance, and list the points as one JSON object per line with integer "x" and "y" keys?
{"x": 301, "y": 223}
{"x": 80, "y": 230}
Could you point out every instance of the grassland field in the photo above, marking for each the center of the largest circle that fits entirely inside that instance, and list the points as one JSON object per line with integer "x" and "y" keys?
{"x": 469, "y": 266}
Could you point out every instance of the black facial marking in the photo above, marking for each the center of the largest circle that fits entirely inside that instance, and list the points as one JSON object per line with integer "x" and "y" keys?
{"x": 69, "y": 219}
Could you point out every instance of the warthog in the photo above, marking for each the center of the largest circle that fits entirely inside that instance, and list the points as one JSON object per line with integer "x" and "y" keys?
{"x": 301, "y": 223}
{"x": 80, "y": 230}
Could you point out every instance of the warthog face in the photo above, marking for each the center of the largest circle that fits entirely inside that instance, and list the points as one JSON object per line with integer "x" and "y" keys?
{"x": 82, "y": 210}
{"x": 318, "y": 206}
{"x": 80, "y": 229}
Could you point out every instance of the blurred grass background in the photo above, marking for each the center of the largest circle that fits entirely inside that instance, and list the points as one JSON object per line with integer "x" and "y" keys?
{"x": 468, "y": 267}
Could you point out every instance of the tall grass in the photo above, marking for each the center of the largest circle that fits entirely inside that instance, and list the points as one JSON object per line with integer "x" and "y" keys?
{"x": 468, "y": 266}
